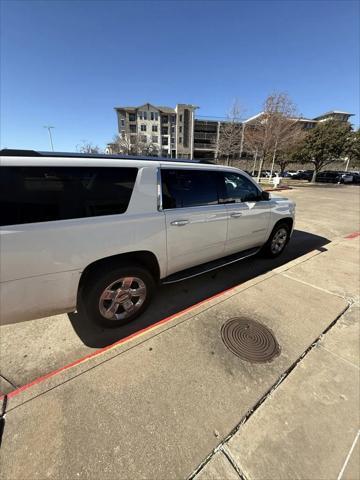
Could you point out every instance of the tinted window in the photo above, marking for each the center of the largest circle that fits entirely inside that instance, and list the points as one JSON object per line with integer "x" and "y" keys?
{"x": 189, "y": 188}
{"x": 237, "y": 188}
{"x": 42, "y": 194}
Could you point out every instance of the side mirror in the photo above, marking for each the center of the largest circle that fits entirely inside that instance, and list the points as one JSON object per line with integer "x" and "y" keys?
{"x": 265, "y": 195}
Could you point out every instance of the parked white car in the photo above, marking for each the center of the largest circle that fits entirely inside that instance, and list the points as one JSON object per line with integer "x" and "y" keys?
{"x": 100, "y": 232}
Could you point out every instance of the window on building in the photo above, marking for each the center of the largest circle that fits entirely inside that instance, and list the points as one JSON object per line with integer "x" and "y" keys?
{"x": 132, "y": 128}
{"x": 180, "y": 139}
{"x": 164, "y": 130}
{"x": 165, "y": 140}
{"x": 133, "y": 139}
{"x": 172, "y": 140}
{"x": 172, "y": 129}
{"x": 189, "y": 188}
{"x": 180, "y": 129}
{"x": 145, "y": 115}
{"x": 238, "y": 188}
{"x": 45, "y": 194}
{"x": 122, "y": 122}
{"x": 143, "y": 127}
{"x": 132, "y": 117}
{"x": 173, "y": 119}
{"x": 165, "y": 119}
{"x": 180, "y": 118}
{"x": 156, "y": 116}
{"x": 143, "y": 138}
{"x": 152, "y": 115}
{"x": 155, "y": 139}
{"x": 154, "y": 128}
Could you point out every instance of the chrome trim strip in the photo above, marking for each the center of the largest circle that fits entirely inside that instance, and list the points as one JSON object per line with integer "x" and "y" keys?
{"x": 159, "y": 190}
{"x": 210, "y": 269}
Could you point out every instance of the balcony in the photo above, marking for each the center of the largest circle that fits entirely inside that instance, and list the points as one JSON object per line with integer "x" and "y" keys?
{"x": 205, "y": 146}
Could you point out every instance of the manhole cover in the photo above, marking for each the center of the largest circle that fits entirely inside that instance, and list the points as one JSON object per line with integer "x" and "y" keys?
{"x": 249, "y": 340}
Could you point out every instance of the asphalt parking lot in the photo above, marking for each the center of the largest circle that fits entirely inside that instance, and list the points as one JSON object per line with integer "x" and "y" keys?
{"x": 32, "y": 349}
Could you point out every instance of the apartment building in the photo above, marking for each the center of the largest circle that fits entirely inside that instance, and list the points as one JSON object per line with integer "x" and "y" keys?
{"x": 176, "y": 133}
{"x": 169, "y": 131}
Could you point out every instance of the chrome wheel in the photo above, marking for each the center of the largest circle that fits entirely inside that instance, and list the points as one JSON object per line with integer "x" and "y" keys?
{"x": 279, "y": 240}
{"x": 122, "y": 298}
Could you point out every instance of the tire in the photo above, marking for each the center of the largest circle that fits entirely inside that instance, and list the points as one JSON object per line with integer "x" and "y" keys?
{"x": 269, "y": 250}
{"x": 117, "y": 283}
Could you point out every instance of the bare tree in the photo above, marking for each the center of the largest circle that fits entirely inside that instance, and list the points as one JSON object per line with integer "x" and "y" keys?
{"x": 274, "y": 130}
{"x": 229, "y": 141}
{"x": 87, "y": 147}
{"x": 134, "y": 144}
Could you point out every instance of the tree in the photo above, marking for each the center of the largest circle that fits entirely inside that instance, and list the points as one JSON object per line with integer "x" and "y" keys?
{"x": 288, "y": 144}
{"x": 326, "y": 143}
{"x": 229, "y": 141}
{"x": 87, "y": 147}
{"x": 134, "y": 144}
{"x": 353, "y": 149}
{"x": 275, "y": 130}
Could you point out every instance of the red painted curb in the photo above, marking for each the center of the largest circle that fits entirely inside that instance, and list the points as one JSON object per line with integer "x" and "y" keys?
{"x": 353, "y": 235}
{"x": 108, "y": 347}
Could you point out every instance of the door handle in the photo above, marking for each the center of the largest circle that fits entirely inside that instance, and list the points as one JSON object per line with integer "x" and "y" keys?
{"x": 235, "y": 214}
{"x": 180, "y": 223}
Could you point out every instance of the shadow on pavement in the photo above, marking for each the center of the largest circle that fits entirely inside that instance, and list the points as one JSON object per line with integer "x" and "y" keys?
{"x": 173, "y": 298}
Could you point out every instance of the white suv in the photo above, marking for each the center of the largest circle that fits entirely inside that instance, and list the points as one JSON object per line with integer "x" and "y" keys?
{"x": 99, "y": 232}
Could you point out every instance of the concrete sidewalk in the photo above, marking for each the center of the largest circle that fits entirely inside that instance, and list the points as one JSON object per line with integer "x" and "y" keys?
{"x": 174, "y": 402}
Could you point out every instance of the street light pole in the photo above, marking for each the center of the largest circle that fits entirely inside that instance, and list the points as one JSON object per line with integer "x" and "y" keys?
{"x": 50, "y": 136}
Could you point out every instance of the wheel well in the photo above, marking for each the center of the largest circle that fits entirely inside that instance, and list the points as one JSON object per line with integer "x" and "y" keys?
{"x": 288, "y": 221}
{"x": 144, "y": 258}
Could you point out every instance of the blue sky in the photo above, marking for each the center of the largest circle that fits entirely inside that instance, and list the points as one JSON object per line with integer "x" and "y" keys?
{"x": 68, "y": 63}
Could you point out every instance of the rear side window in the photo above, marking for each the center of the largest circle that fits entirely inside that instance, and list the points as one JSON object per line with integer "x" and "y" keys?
{"x": 189, "y": 188}
{"x": 43, "y": 194}
{"x": 237, "y": 188}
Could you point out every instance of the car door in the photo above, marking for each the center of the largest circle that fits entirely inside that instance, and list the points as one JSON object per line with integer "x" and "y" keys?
{"x": 249, "y": 214}
{"x": 196, "y": 223}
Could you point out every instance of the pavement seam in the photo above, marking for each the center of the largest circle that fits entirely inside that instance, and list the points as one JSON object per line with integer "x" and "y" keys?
{"x": 341, "y": 473}
{"x": 314, "y": 286}
{"x": 2, "y": 416}
{"x": 232, "y": 461}
{"x": 268, "y": 394}
{"x": 340, "y": 357}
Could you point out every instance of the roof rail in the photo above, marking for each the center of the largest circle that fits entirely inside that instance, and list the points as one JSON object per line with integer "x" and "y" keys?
{"x": 32, "y": 153}
{"x": 9, "y": 152}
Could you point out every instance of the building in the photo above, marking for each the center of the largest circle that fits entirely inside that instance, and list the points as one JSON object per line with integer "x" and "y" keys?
{"x": 176, "y": 133}
{"x": 334, "y": 115}
{"x": 206, "y": 135}
{"x": 309, "y": 122}
{"x": 169, "y": 131}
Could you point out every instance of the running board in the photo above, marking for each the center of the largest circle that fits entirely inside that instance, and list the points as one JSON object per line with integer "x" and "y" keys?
{"x": 209, "y": 266}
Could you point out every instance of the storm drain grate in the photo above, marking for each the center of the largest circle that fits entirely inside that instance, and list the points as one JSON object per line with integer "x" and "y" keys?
{"x": 249, "y": 340}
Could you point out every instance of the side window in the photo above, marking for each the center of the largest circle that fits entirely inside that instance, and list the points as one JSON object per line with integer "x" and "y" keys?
{"x": 189, "y": 188}
{"x": 237, "y": 188}
{"x": 43, "y": 194}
